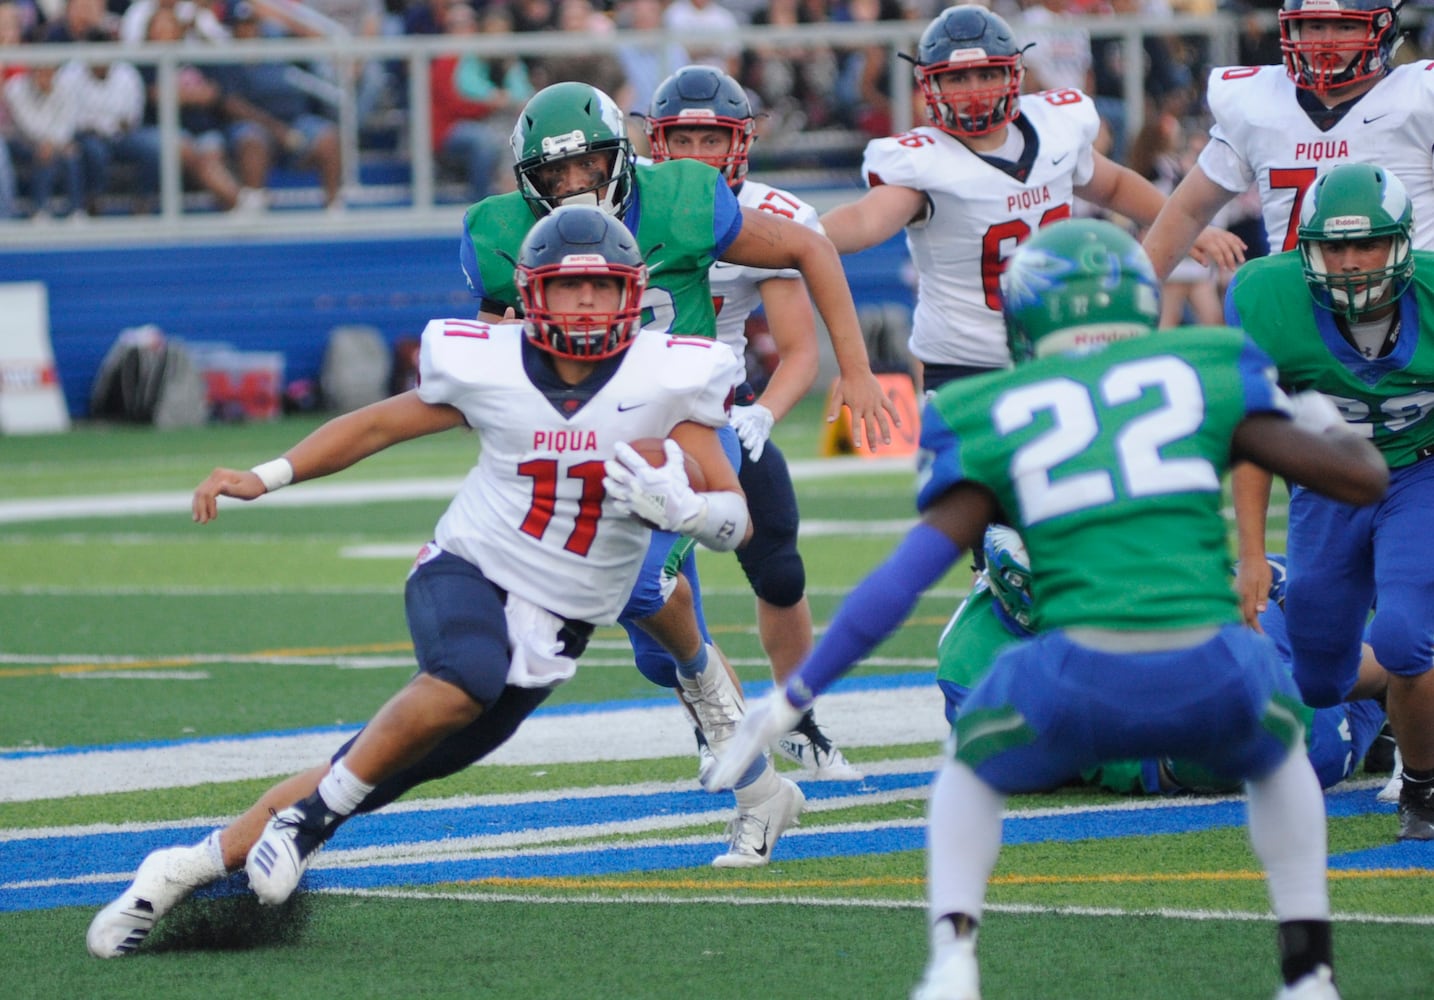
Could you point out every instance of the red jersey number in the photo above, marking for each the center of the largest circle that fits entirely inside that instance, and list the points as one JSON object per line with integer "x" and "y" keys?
{"x": 1000, "y": 242}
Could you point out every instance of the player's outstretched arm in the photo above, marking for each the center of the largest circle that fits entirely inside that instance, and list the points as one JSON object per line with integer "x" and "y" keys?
{"x": 769, "y": 241}
{"x": 871, "y": 612}
{"x": 1334, "y": 462}
{"x": 1186, "y": 215}
{"x": 336, "y": 445}
{"x": 874, "y": 218}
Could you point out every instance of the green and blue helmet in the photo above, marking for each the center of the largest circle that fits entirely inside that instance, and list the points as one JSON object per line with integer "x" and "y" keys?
{"x": 1356, "y": 202}
{"x": 569, "y": 119}
{"x": 1077, "y": 285}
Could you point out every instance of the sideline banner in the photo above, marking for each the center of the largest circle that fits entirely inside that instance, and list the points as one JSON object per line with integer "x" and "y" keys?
{"x": 30, "y": 397}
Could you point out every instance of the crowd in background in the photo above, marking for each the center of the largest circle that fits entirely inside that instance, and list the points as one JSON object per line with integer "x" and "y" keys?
{"x": 80, "y": 139}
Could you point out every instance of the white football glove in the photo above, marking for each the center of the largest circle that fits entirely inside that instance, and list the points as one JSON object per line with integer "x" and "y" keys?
{"x": 1313, "y": 411}
{"x": 753, "y": 425}
{"x": 766, "y": 721}
{"x": 660, "y": 496}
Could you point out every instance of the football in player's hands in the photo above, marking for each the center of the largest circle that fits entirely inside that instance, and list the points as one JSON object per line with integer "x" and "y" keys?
{"x": 654, "y": 498}
{"x": 651, "y": 450}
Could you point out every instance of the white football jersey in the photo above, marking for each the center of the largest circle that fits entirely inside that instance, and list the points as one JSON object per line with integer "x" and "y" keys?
{"x": 532, "y": 514}
{"x": 978, "y": 215}
{"x": 735, "y": 294}
{"x": 1261, "y": 134}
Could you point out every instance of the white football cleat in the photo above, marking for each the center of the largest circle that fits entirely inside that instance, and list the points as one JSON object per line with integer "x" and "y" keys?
{"x": 808, "y": 746}
{"x": 754, "y": 832}
{"x": 1318, "y": 985}
{"x": 952, "y": 975}
{"x": 1390, "y": 792}
{"x": 706, "y": 759}
{"x": 278, "y": 859}
{"x": 162, "y": 882}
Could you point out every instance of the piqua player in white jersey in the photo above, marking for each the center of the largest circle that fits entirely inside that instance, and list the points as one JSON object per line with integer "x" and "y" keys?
{"x": 702, "y": 113}
{"x": 539, "y": 546}
{"x": 1338, "y": 98}
{"x": 990, "y": 169}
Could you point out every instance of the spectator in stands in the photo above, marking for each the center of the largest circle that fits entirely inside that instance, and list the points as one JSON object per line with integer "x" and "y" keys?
{"x": 475, "y": 102}
{"x": 1163, "y": 74}
{"x": 1059, "y": 55}
{"x": 426, "y": 17}
{"x": 794, "y": 83}
{"x": 644, "y": 67}
{"x": 534, "y": 15}
{"x": 83, "y": 21}
{"x": 46, "y": 118}
{"x": 12, "y": 33}
{"x": 202, "y": 150}
{"x": 1161, "y": 154}
{"x": 110, "y": 97}
{"x": 707, "y": 19}
{"x": 599, "y": 69}
{"x": 195, "y": 19}
{"x": 337, "y": 19}
{"x": 861, "y": 87}
{"x": 271, "y": 119}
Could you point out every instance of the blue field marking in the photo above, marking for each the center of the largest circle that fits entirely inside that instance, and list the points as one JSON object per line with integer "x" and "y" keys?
{"x": 75, "y": 857}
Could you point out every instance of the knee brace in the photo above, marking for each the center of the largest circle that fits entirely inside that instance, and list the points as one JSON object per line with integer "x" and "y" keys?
{"x": 777, "y": 574}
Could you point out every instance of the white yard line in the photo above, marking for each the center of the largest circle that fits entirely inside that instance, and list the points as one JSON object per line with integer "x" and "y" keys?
{"x": 870, "y": 718}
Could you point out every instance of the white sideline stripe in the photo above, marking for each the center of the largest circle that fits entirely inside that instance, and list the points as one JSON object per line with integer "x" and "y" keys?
{"x": 478, "y": 896}
{"x": 140, "y": 675}
{"x": 856, "y": 719}
{"x": 329, "y": 493}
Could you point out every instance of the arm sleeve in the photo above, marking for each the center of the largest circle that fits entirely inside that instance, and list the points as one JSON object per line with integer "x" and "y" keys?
{"x": 874, "y": 609}
{"x": 726, "y": 218}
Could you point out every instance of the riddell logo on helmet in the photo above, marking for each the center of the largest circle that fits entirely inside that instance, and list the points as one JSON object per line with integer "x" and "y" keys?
{"x": 1345, "y": 225}
{"x": 1320, "y": 6}
{"x": 967, "y": 55}
{"x": 559, "y": 145}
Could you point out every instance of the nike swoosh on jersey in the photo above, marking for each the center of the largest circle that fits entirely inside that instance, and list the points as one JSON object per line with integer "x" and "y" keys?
{"x": 1376, "y": 118}
{"x": 624, "y": 407}
{"x": 1057, "y": 159}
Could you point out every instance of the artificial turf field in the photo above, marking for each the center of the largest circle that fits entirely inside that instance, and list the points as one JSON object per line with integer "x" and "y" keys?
{"x": 133, "y": 642}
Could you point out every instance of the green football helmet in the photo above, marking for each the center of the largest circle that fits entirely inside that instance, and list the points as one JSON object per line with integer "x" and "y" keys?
{"x": 1008, "y": 572}
{"x": 1353, "y": 202}
{"x": 567, "y": 119}
{"x": 1077, "y": 285}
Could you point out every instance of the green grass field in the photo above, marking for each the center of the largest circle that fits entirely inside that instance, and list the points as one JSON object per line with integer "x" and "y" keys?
{"x": 131, "y": 628}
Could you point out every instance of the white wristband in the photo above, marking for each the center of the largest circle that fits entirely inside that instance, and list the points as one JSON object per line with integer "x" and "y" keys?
{"x": 722, "y": 523}
{"x": 275, "y": 474}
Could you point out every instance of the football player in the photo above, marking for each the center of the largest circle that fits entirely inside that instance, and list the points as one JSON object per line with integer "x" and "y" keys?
{"x": 540, "y": 545}
{"x": 1338, "y": 98}
{"x": 999, "y": 613}
{"x": 1345, "y": 314}
{"x": 1105, "y": 447}
{"x": 989, "y": 169}
{"x": 701, "y": 113}
{"x": 570, "y": 146}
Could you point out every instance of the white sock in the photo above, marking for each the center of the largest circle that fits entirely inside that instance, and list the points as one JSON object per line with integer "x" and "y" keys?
{"x": 963, "y": 839}
{"x": 341, "y": 791}
{"x": 1287, "y": 830}
{"x": 758, "y": 789}
{"x": 213, "y": 853}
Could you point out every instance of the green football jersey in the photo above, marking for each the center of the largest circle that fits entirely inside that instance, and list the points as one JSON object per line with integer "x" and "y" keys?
{"x": 674, "y": 216}
{"x": 973, "y": 640}
{"x": 1110, "y": 465}
{"x": 1388, "y": 399}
